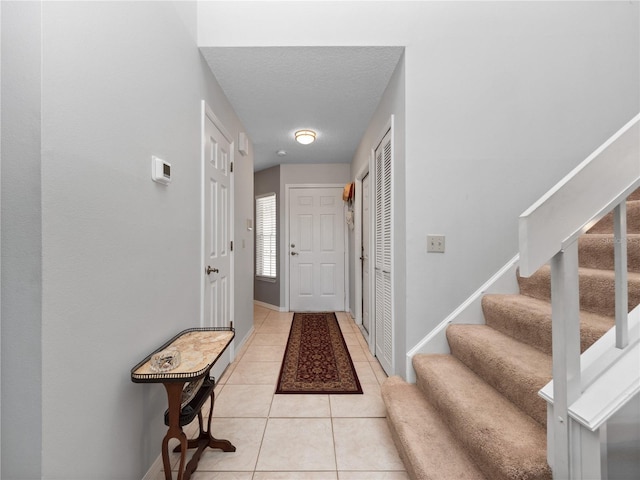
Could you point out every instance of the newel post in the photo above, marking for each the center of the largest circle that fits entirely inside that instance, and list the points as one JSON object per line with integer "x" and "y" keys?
{"x": 565, "y": 317}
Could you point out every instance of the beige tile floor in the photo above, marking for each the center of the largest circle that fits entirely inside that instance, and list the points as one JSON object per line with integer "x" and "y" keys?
{"x": 300, "y": 437}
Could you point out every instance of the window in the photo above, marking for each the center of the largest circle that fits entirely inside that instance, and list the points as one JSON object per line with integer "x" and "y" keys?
{"x": 266, "y": 229}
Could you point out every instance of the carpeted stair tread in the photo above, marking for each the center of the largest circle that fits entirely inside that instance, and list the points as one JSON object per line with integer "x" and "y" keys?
{"x": 528, "y": 320}
{"x": 478, "y": 408}
{"x": 633, "y": 220}
{"x": 427, "y": 447}
{"x": 501, "y": 439}
{"x": 597, "y": 289}
{"x": 517, "y": 370}
{"x": 596, "y": 251}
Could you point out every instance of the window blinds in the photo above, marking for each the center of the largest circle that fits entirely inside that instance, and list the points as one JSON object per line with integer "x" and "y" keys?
{"x": 266, "y": 229}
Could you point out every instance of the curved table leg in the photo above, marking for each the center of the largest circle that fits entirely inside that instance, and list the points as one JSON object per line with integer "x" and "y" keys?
{"x": 224, "y": 445}
{"x": 201, "y": 442}
{"x": 174, "y": 394}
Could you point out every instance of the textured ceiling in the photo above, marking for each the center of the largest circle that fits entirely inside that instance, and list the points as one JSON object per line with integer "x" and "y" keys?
{"x": 278, "y": 90}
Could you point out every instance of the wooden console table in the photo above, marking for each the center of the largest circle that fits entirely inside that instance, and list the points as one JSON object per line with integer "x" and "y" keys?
{"x": 199, "y": 349}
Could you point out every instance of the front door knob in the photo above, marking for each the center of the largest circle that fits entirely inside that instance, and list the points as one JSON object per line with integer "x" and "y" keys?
{"x": 209, "y": 270}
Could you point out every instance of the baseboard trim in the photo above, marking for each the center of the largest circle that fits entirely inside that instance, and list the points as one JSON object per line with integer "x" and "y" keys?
{"x": 470, "y": 311}
{"x": 269, "y": 306}
{"x": 242, "y": 342}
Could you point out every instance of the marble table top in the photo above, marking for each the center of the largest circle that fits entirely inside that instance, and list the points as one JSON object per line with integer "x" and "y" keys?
{"x": 199, "y": 349}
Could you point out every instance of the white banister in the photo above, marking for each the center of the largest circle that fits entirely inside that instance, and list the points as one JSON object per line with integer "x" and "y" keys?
{"x": 549, "y": 231}
{"x": 565, "y": 338}
{"x": 610, "y": 377}
{"x": 620, "y": 267}
{"x": 573, "y": 205}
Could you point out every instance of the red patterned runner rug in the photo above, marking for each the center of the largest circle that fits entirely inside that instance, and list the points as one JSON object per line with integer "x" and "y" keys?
{"x": 316, "y": 359}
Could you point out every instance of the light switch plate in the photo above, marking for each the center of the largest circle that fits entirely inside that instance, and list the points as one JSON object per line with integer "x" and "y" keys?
{"x": 435, "y": 243}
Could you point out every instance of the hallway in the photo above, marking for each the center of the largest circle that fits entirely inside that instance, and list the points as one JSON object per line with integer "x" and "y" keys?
{"x": 301, "y": 437}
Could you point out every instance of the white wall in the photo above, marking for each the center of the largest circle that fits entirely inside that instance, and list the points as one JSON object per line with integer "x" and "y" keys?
{"x": 520, "y": 94}
{"x": 502, "y": 99}
{"x": 21, "y": 242}
{"x": 391, "y": 103}
{"x": 315, "y": 173}
{"x": 120, "y": 254}
{"x": 0, "y": 238}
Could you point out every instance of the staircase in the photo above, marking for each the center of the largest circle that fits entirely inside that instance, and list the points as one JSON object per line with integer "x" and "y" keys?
{"x": 475, "y": 413}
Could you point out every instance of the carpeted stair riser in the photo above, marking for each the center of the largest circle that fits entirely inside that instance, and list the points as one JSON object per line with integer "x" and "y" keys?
{"x": 426, "y": 445}
{"x": 597, "y": 289}
{"x": 516, "y": 370}
{"x": 503, "y": 441}
{"x": 596, "y": 251}
{"x": 528, "y": 320}
{"x": 633, "y": 220}
{"x": 476, "y": 414}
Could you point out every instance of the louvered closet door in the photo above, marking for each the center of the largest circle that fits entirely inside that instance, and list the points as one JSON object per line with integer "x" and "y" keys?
{"x": 383, "y": 229}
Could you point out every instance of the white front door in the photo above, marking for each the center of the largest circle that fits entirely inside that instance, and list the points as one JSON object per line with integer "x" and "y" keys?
{"x": 316, "y": 249}
{"x": 217, "y": 271}
{"x": 365, "y": 253}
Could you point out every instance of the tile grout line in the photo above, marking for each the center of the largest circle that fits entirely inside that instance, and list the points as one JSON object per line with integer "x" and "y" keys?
{"x": 264, "y": 432}
{"x": 333, "y": 438}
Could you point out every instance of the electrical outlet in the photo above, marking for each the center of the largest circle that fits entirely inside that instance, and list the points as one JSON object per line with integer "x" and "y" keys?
{"x": 435, "y": 243}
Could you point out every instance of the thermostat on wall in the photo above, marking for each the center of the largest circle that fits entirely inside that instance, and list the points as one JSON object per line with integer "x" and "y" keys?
{"x": 160, "y": 171}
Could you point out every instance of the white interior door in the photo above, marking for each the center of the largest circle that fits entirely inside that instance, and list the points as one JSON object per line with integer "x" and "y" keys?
{"x": 365, "y": 253}
{"x": 316, "y": 249}
{"x": 383, "y": 263}
{"x": 217, "y": 271}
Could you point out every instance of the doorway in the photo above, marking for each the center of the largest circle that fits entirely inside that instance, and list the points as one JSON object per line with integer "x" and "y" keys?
{"x": 316, "y": 249}
{"x": 365, "y": 251}
{"x": 217, "y": 207}
{"x": 383, "y": 262}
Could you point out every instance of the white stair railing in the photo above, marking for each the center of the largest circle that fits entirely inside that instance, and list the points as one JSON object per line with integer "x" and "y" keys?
{"x": 549, "y": 232}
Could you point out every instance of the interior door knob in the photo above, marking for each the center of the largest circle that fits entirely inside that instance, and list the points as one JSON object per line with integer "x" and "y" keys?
{"x": 209, "y": 270}
{"x": 294, "y": 253}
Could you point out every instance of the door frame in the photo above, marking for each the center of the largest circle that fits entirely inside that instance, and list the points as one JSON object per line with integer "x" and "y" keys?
{"x": 207, "y": 112}
{"x": 366, "y": 169}
{"x": 285, "y": 248}
{"x": 388, "y": 128}
{"x": 370, "y": 168}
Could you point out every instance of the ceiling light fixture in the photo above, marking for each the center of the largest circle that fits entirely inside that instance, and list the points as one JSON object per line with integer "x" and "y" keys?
{"x": 305, "y": 137}
{"x": 281, "y": 153}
